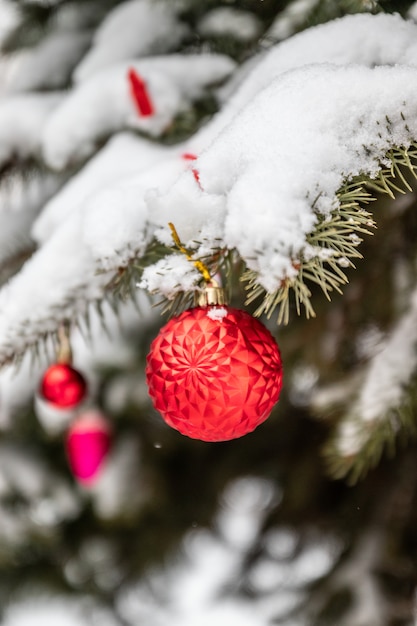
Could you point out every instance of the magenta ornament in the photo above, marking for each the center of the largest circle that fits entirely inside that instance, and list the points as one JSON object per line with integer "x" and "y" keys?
{"x": 88, "y": 443}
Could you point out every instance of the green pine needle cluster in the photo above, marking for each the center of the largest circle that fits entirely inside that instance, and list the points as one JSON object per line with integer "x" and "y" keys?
{"x": 338, "y": 236}
{"x": 336, "y": 239}
{"x": 379, "y": 437}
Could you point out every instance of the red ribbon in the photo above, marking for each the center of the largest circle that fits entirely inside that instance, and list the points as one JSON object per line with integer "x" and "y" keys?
{"x": 188, "y": 156}
{"x": 140, "y": 94}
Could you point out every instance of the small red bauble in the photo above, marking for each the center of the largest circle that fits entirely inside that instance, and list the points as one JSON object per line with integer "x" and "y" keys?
{"x": 63, "y": 386}
{"x": 87, "y": 444}
{"x": 214, "y": 373}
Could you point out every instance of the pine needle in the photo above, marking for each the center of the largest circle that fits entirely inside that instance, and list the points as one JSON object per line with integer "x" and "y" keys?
{"x": 378, "y": 438}
{"x": 338, "y": 237}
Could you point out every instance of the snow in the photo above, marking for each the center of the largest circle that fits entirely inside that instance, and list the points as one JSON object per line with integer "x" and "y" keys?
{"x": 123, "y": 155}
{"x": 103, "y": 105}
{"x": 9, "y": 18}
{"x": 412, "y": 11}
{"x": 64, "y": 273}
{"x": 197, "y": 586}
{"x": 48, "y": 610}
{"x": 230, "y": 22}
{"x": 46, "y": 500}
{"x": 21, "y": 199}
{"x": 48, "y": 64}
{"x": 319, "y": 120}
{"x": 84, "y": 248}
{"x": 126, "y": 215}
{"x": 217, "y": 314}
{"x": 353, "y": 39}
{"x": 167, "y": 276}
{"x": 288, "y": 116}
{"x": 291, "y": 132}
{"x": 121, "y": 486}
{"x": 228, "y": 89}
{"x": 290, "y": 19}
{"x": 16, "y": 388}
{"x": 202, "y": 583}
{"x": 133, "y": 29}
{"x": 384, "y": 384}
{"x": 22, "y": 119}
{"x": 77, "y": 16}
{"x": 24, "y": 191}
{"x": 235, "y": 521}
{"x": 19, "y": 383}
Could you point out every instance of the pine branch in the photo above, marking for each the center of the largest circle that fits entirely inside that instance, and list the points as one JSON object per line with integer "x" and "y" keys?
{"x": 384, "y": 404}
{"x": 36, "y": 19}
{"x": 332, "y": 247}
{"x": 220, "y": 262}
{"x": 327, "y": 10}
{"x": 335, "y": 240}
{"x": 375, "y": 439}
{"x": 25, "y": 186}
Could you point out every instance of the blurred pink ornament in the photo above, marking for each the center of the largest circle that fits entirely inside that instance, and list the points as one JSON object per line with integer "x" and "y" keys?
{"x": 88, "y": 443}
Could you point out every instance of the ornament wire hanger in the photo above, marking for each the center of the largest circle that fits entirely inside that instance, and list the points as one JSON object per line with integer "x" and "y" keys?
{"x": 64, "y": 350}
{"x": 212, "y": 294}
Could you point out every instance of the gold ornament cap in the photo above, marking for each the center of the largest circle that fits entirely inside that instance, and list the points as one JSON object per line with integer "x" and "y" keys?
{"x": 211, "y": 295}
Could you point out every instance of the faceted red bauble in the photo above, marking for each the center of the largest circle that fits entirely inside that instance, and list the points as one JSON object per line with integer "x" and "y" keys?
{"x": 63, "y": 386}
{"x": 214, "y": 373}
{"x": 88, "y": 443}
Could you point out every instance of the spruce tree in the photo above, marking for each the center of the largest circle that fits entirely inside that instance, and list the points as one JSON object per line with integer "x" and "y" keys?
{"x": 152, "y": 151}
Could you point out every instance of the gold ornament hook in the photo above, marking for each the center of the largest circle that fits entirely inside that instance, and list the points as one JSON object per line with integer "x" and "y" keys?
{"x": 212, "y": 294}
{"x": 64, "y": 352}
{"x": 203, "y": 269}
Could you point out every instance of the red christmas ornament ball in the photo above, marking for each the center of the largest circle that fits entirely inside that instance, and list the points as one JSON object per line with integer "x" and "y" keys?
{"x": 87, "y": 443}
{"x": 63, "y": 386}
{"x": 214, "y": 373}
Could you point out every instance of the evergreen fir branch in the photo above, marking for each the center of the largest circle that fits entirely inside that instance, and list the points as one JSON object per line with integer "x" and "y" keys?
{"x": 221, "y": 262}
{"x": 37, "y": 17}
{"x": 13, "y": 264}
{"x": 378, "y": 438}
{"x": 333, "y": 246}
{"x": 178, "y": 304}
{"x": 45, "y": 346}
{"x": 125, "y": 284}
{"x": 336, "y": 239}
